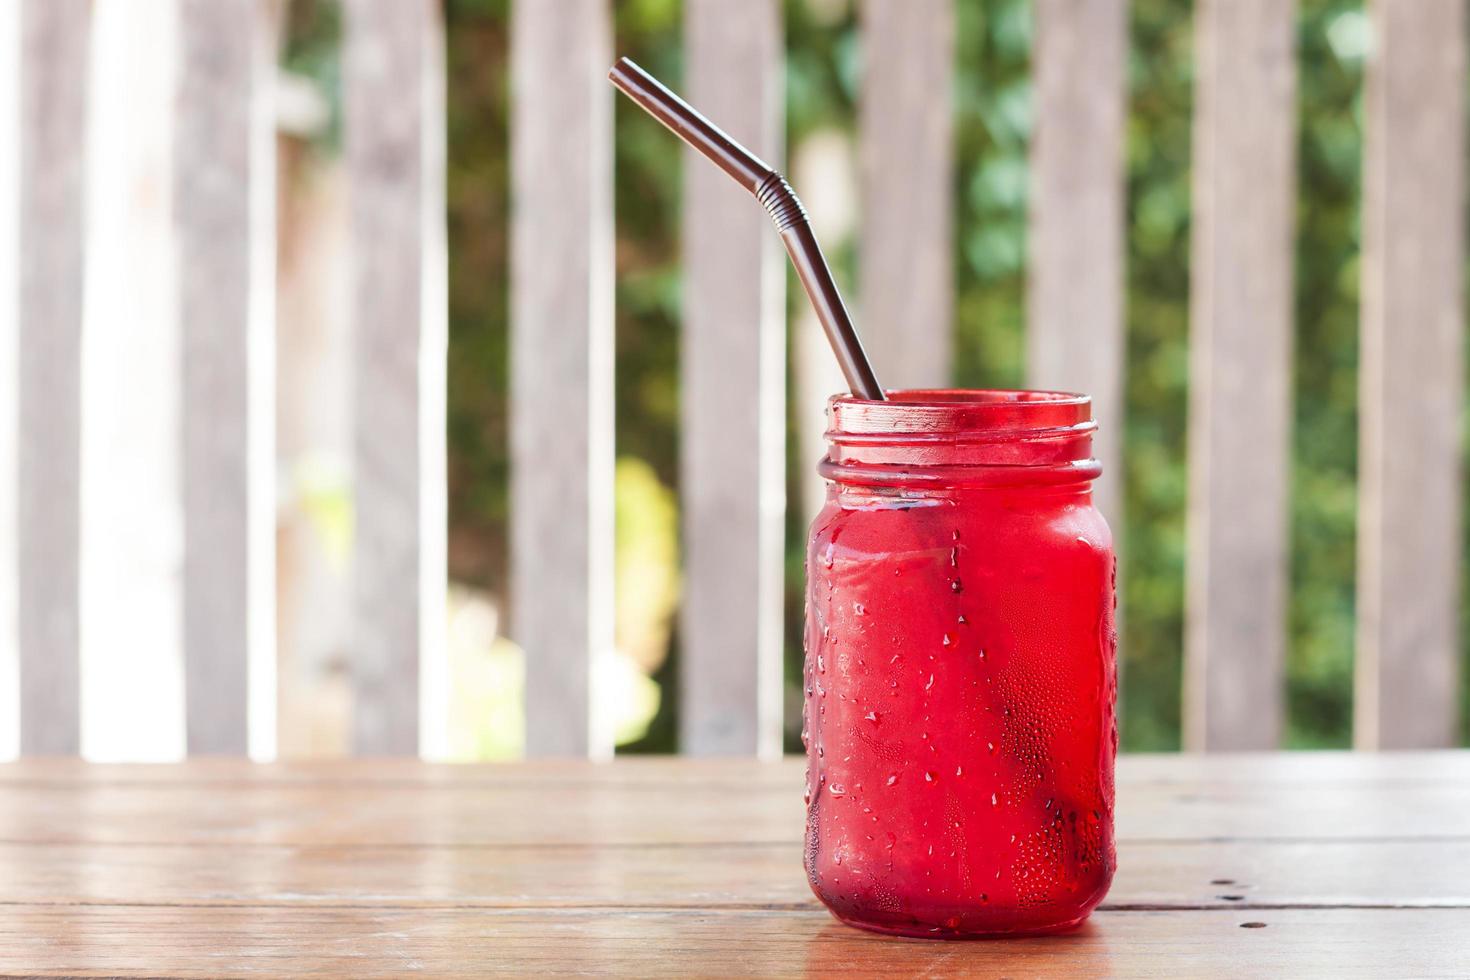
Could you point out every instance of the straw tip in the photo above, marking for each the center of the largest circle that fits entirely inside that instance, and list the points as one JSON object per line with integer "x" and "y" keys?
{"x": 622, "y": 68}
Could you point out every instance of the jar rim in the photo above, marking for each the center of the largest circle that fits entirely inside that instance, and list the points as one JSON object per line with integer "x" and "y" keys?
{"x": 971, "y": 396}
{"x": 983, "y": 412}
{"x": 956, "y": 436}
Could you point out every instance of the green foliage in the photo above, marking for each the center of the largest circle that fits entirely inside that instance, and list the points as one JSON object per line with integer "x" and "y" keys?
{"x": 1325, "y": 444}
{"x": 992, "y": 104}
{"x": 1160, "y": 84}
{"x": 477, "y": 190}
{"x": 647, "y": 164}
{"x": 312, "y": 47}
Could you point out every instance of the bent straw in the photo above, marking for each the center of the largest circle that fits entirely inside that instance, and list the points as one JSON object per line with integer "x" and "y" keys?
{"x": 779, "y": 200}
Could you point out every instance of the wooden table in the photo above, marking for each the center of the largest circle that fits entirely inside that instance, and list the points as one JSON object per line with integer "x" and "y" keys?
{"x": 1294, "y": 865}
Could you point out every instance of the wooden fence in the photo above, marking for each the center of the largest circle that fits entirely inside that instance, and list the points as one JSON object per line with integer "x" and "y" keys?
{"x": 734, "y": 348}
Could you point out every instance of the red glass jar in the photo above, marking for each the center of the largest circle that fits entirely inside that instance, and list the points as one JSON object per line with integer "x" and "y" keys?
{"x": 960, "y": 666}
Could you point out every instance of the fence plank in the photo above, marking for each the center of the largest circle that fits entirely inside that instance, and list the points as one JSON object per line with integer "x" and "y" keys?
{"x": 905, "y": 129}
{"x": 1411, "y": 377}
{"x": 9, "y": 409}
{"x": 54, "y": 47}
{"x": 226, "y": 421}
{"x": 734, "y": 396}
{"x": 1074, "y": 328}
{"x": 561, "y": 366}
{"x": 394, "y": 101}
{"x": 1240, "y": 353}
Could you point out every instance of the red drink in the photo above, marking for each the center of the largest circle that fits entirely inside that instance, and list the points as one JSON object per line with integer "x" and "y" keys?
{"x": 960, "y": 666}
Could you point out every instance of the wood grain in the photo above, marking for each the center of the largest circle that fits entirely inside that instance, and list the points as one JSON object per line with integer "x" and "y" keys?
{"x": 733, "y": 396}
{"x": 682, "y": 803}
{"x": 1240, "y": 373}
{"x": 1183, "y": 772}
{"x": 123, "y": 940}
{"x": 222, "y": 179}
{"x": 1164, "y": 874}
{"x": 1074, "y": 298}
{"x": 393, "y": 96}
{"x": 905, "y": 147}
{"x": 658, "y": 867}
{"x": 1411, "y": 383}
{"x": 561, "y": 366}
{"x": 53, "y": 85}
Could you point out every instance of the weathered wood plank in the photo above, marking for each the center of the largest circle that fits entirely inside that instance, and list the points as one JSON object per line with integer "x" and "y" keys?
{"x": 1240, "y": 373}
{"x": 688, "y": 804}
{"x": 733, "y": 385}
{"x": 1074, "y": 326}
{"x": 222, "y": 183}
{"x": 1411, "y": 379}
{"x": 139, "y": 940}
{"x": 9, "y": 348}
{"x": 1183, "y": 773}
{"x": 706, "y": 877}
{"x": 905, "y": 131}
{"x": 393, "y": 90}
{"x": 54, "y": 52}
{"x": 561, "y": 366}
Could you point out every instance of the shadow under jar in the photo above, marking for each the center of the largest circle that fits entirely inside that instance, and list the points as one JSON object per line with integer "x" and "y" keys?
{"x": 960, "y": 671}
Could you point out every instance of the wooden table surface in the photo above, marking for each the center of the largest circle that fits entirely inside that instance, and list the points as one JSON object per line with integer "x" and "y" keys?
{"x": 1293, "y": 865}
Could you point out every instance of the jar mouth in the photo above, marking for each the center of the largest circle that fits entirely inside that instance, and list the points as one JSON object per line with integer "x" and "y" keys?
{"x": 951, "y": 410}
{"x": 940, "y": 436}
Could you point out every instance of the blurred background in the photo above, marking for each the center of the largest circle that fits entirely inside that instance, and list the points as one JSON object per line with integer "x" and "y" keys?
{"x": 992, "y": 122}
{"x": 992, "y": 97}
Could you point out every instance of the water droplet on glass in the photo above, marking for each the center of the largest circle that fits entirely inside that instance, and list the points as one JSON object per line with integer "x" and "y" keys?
{"x": 857, "y": 607}
{"x": 929, "y": 777}
{"x": 956, "y": 586}
{"x": 872, "y": 716}
{"x": 993, "y": 800}
{"x": 837, "y": 789}
{"x": 930, "y": 684}
{"x": 892, "y": 779}
{"x": 947, "y": 640}
{"x": 991, "y": 747}
{"x": 982, "y": 653}
{"x": 962, "y": 619}
{"x": 954, "y": 535}
{"x": 959, "y": 770}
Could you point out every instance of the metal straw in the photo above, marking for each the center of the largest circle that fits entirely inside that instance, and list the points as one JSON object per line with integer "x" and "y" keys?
{"x": 779, "y": 200}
